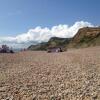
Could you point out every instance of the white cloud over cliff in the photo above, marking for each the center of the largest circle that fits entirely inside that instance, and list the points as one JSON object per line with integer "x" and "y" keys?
{"x": 39, "y": 34}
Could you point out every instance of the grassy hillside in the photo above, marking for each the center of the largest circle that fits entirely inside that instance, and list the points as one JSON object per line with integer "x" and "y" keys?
{"x": 86, "y": 37}
{"x": 40, "y": 46}
{"x": 53, "y": 42}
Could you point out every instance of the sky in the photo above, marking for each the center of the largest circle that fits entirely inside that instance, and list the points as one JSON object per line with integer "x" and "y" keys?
{"x": 31, "y": 21}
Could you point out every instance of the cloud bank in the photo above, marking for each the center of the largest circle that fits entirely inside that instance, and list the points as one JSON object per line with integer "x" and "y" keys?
{"x": 39, "y": 34}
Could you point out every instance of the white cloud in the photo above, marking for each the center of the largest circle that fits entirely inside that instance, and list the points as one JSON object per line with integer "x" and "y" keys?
{"x": 39, "y": 34}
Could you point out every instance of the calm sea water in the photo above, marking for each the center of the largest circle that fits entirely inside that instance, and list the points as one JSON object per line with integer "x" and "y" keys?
{"x": 17, "y": 50}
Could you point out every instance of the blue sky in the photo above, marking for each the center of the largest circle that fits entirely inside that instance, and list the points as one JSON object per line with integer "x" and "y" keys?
{"x": 19, "y": 16}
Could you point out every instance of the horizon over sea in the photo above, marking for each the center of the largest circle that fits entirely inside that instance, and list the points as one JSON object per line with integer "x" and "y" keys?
{"x": 17, "y": 49}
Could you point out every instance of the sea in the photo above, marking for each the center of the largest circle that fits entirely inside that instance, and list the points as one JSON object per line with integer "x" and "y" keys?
{"x": 17, "y": 49}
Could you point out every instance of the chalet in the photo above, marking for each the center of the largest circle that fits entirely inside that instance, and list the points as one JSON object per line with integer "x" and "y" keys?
{"x": 54, "y": 49}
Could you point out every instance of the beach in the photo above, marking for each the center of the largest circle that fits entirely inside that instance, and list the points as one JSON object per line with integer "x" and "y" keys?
{"x": 38, "y": 75}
